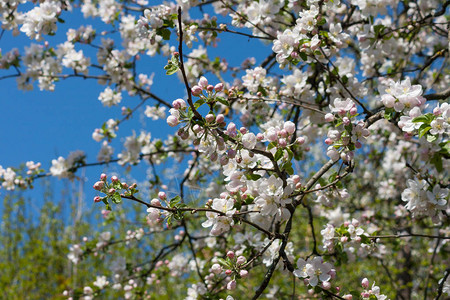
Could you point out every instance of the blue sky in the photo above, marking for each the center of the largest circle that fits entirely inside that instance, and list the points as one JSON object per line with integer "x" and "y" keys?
{"x": 41, "y": 125}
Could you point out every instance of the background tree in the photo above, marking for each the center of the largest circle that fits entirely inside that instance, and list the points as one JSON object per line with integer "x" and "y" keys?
{"x": 320, "y": 170}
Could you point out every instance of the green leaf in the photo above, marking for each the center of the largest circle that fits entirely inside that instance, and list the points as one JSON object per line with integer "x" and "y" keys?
{"x": 321, "y": 22}
{"x": 174, "y": 201}
{"x": 171, "y": 69}
{"x": 253, "y": 176}
{"x": 223, "y": 101}
{"x": 278, "y": 154}
{"x": 164, "y": 32}
{"x": 427, "y": 118}
{"x": 431, "y": 138}
{"x": 378, "y": 29}
{"x": 423, "y": 131}
{"x": 271, "y": 145}
{"x": 288, "y": 168}
{"x": 436, "y": 160}
{"x": 199, "y": 103}
{"x": 116, "y": 198}
{"x": 303, "y": 56}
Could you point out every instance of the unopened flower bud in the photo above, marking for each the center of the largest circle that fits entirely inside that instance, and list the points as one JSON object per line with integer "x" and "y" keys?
{"x": 162, "y": 195}
{"x": 216, "y": 269}
{"x": 230, "y": 254}
{"x": 210, "y": 88}
{"x": 241, "y": 260}
{"x": 259, "y": 136}
{"x": 196, "y": 90}
{"x": 228, "y": 272}
{"x": 114, "y": 179}
{"x": 231, "y": 285}
{"x": 243, "y": 273}
{"x": 289, "y": 127}
{"x": 210, "y": 118}
{"x": 172, "y": 121}
{"x": 155, "y": 202}
{"x": 220, "y": 118}
{"x": 329, "y": 117}
{"x": 97, "y": 199}
{"x": 365, "y": 283}
{"x": 103, "y": 177}
{"x": 353, "y": 111}
{"x": 326, "y": 285}
{"x": 346, "y": 121}
{"x": 203, "y": 82}
{"x": 218, "y": 87}
{"x": 282, "y": 142}
{"x": 300, "y": 140}
{"x": 99, "y": 185}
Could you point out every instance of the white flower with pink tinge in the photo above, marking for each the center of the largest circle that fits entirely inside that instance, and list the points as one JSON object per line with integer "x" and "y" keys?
{"x": 315, "y": 269}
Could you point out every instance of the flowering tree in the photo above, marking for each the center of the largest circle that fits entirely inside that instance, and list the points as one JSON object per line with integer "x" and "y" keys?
{"x": 310, "y": 171}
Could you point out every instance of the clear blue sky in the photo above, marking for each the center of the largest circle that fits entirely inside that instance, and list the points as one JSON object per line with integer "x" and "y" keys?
{"x": 41, "y": 126}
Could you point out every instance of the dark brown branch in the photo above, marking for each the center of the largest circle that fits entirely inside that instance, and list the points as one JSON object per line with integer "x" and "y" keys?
{"x": 183, "y": 71}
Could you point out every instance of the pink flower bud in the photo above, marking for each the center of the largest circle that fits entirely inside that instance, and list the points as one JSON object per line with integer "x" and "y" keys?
{"x": 210, "y": 88}
{"x": 294, "y": 54}
{"x": 224, "y": 160}
{"x": 344, "y": 239}
{"x": 99, "y": 185}
{"x": 346, "y": 121}
{"x": 114, "y": 179}
{"x": 365, "y": 294}
{"x": 220, "y": 118}
{"x": 172, "y": 121}
{"x": 365, "y": 283}
{"x": 111, "y": 191}
{"x": 231, "y": 285}
{"x": 332, "y": 273}
{"x": 243, "y": 273}
{"x": 241, "y": 260}
{"x": 230, "y": 254}
{"x": 329, "y": 117}
{"x": 326, "y": 285}
{"x": 210, "y": 118}
{"x": 358, "y": 145}
{"x": 196, "y": 90}
{"x": 97, "y": 199}
{"x": 231, "y": 153}
{"x": 348, "y": 297}
{"x": 155, "y": 202}
{"x": 203, "y": 82}
{"x": 282, "y": 142}
{"x": 103, "y": 177}
{"x": 259, "y": 137}
{"x": 283, "y": 133}
{"x": 125, "y": 186}
{"x": 300, "y": 140}
{"x": 216, "y": 269}
{"x": 218, "y": 87}
{"x": 162, "y": 195}
{"x": 228, "y": 272}
{"x": 214, "y": 156}
{"x": 353, "y": 111}
{"x": 289, "y": 127}
{"x": 179, "y": 104}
